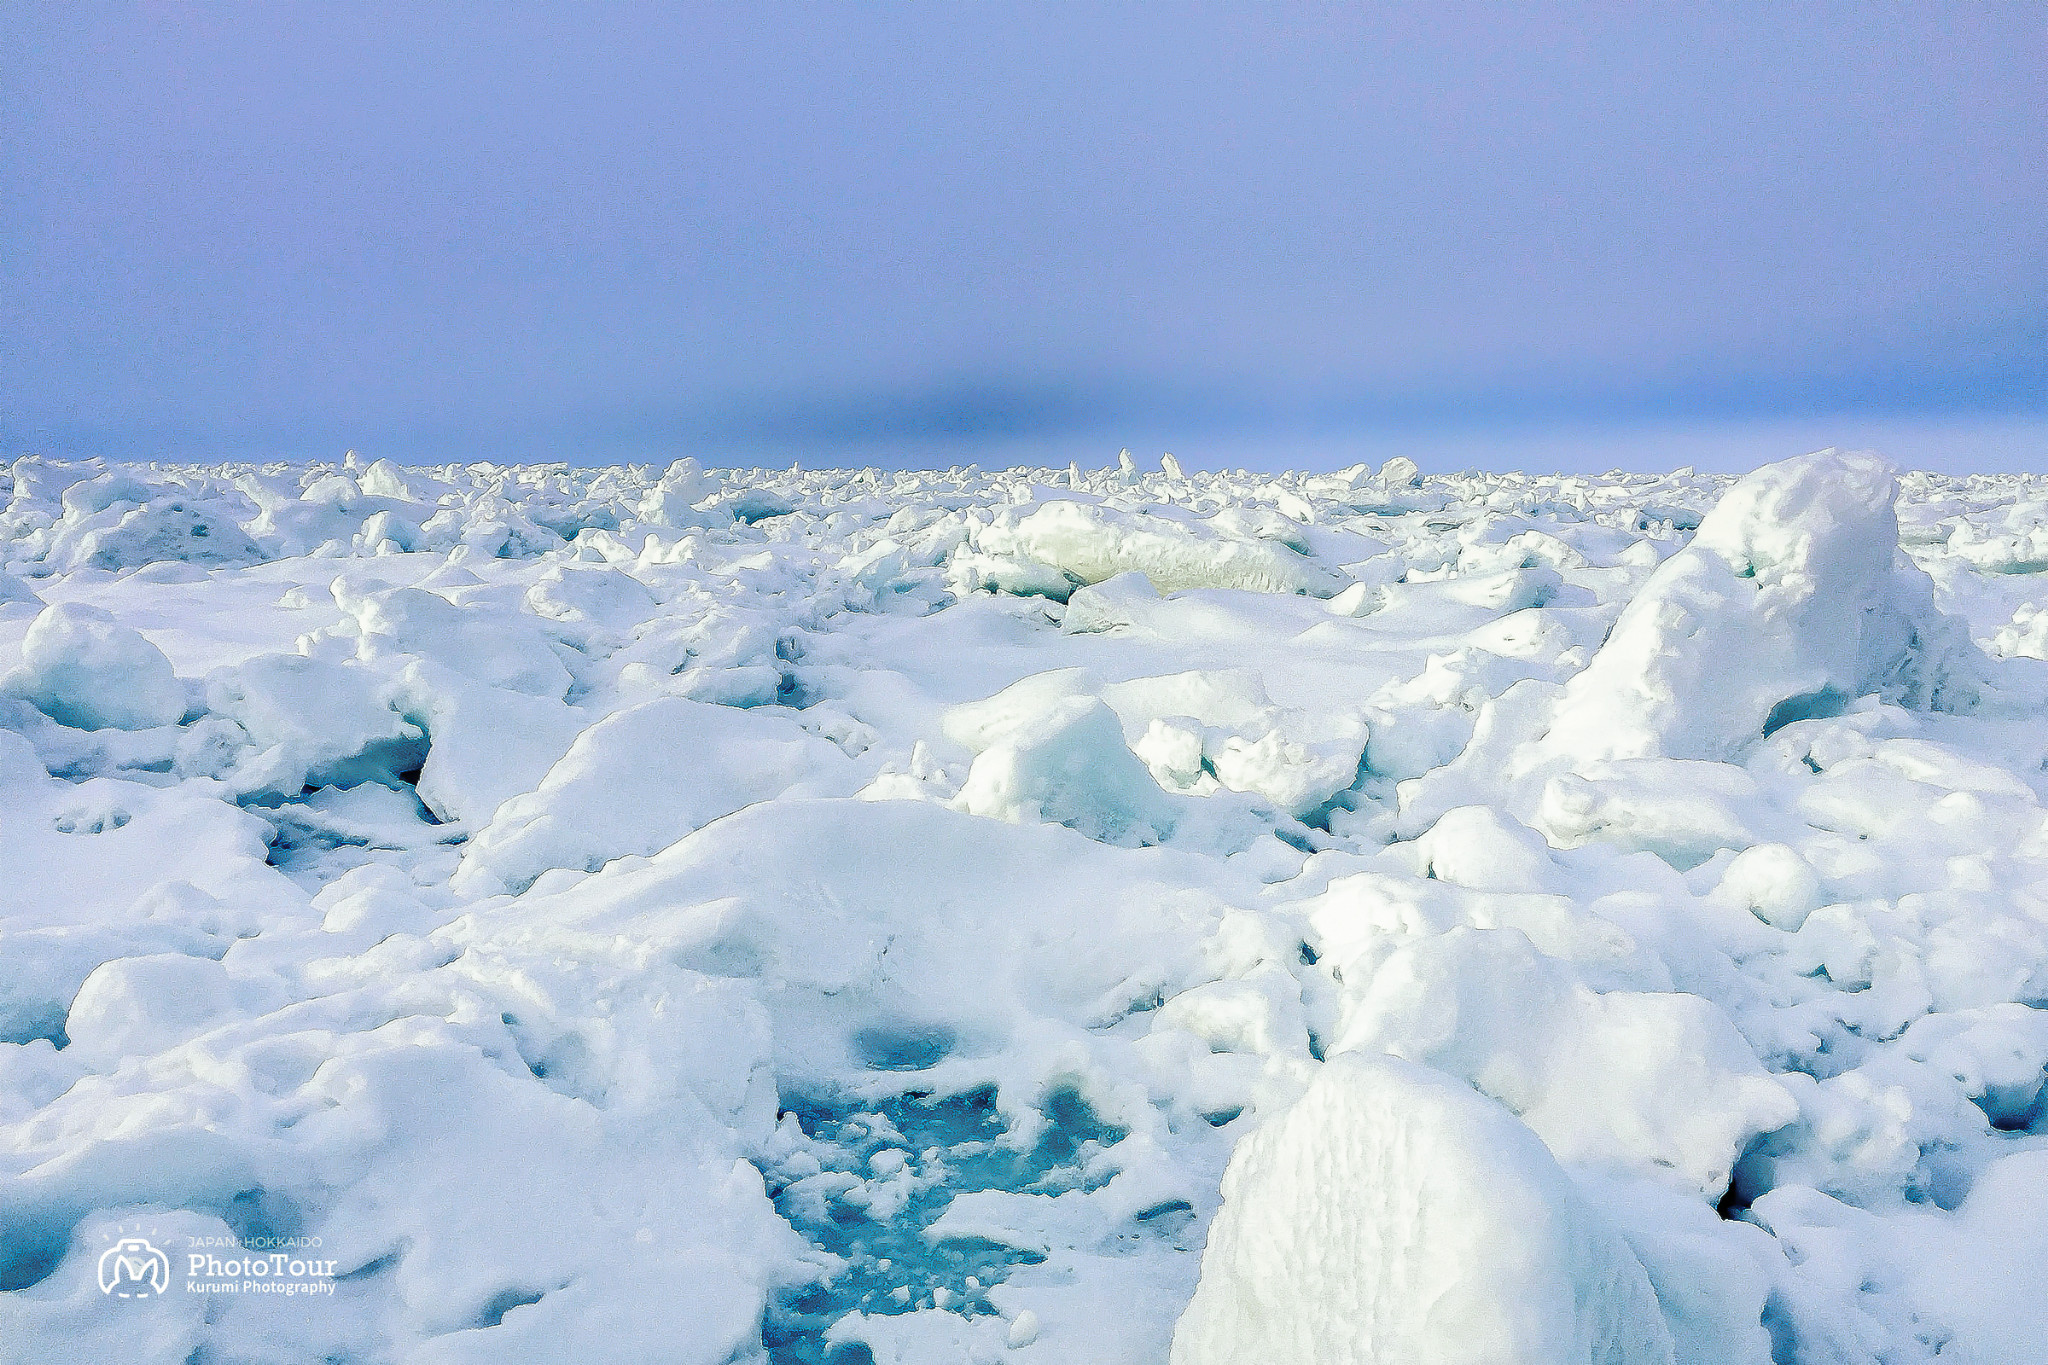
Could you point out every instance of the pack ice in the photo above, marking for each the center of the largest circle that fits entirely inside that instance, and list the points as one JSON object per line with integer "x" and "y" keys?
{"x": 1085, "y": 916}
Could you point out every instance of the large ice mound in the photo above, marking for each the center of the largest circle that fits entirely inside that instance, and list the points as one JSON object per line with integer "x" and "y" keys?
{"x": 1787, "y": 604}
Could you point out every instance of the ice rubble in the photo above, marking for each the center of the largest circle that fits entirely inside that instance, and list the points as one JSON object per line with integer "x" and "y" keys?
{"x": 804, "y": 916}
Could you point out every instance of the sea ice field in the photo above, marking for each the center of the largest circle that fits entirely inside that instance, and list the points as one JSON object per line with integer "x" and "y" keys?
{"x": 796, "y": 917}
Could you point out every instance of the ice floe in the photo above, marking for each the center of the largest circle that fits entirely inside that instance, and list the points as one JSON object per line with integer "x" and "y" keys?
{"x": 830, "y": 916}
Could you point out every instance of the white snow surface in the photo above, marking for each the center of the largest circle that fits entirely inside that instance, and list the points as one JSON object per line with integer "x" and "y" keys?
{"x": 798, "y": 916}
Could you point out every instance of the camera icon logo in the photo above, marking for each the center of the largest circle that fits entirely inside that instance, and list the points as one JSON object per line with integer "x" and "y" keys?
{"x": 133, "y": 1268}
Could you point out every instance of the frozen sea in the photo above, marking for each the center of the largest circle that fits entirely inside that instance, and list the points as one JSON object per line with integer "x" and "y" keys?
{"x": 496, "y": 914}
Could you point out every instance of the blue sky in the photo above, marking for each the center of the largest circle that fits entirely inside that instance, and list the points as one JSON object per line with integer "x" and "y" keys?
{"x": 913, "y": 234}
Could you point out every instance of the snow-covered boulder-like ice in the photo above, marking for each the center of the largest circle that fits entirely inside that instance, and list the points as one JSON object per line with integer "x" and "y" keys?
{"x": 1048, "y": 748}
{"x": 1215, "y": 728}
{"x": 16, "y": 597}
{"x": 2024, "y": 637}
{"x": 590, "y": 595}
{"x": 638, "y": 781}
{"x": 1393, "y": 1217}
{"x": 395, "y": 623}
{"x": 1657, "y": 1082}
{"x": 311, "y": 723}
{"x": 142, "y": 1005}
{"x": 1072, "y": 768}
{"x": 162, "y": 530}
{"x": 486, "y": 744}
{"x": 83, "y": 668}
{"x": 1090, "y": 543}
{"x": 1789, "y": 602}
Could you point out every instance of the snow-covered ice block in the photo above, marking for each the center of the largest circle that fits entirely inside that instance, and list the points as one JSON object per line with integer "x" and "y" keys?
{"x": 499, "y": 650}
{"x": 673, "y": 501}
{"x": 85, "y": 669}
{"x": 1655, "y": 1082}
{"x": 638, "y": 781}
{"x": 1124, "y": 599}
{"x": 138, "y": 1006}
{"x": 1450, "y": 606}
{"x": 1050, "y": 750}
{"x": 1772, "y": 882}
{"x": 2024, "y": 637}
{"x": 311, "y": 723}
{"x": 162, "y": 530}
{"x": 1713, "y": 1275}
{"x": 1092, "y": 543}
{"x": 486, "y": 744}
{"x": 1789, "y": 601}
{"x": 1480, "y": 848}
{"x": 17, "y": 598}
{"x": 598, "y": 596}
{"x": 1072, "y": 768}
{"x": 1682, "y": 810}
{"x": 1240, "y": 741}
{"x": 1393, "y": 1215}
